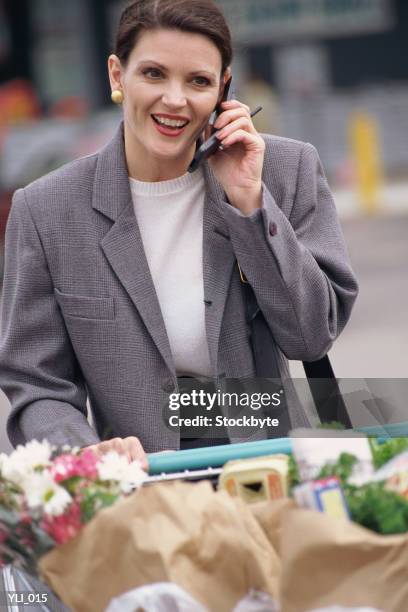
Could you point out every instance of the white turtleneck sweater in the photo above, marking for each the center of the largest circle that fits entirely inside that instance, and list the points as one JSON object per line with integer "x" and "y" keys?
{"x": 170, "y": 218}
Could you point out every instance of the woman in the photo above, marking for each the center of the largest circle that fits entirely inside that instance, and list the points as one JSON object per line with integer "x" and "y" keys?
{"x": 121, "y": 267}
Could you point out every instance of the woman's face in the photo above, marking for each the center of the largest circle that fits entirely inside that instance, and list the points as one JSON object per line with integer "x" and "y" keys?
{"x": 171, "y": 84}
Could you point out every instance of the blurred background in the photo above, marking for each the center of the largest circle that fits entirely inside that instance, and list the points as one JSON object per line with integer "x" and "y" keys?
{"x": 330, "y": 72}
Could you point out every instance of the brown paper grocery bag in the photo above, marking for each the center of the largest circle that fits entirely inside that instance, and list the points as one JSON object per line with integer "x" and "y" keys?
{"x": 208, "y": 543}
{"x": 269, "y": 515}
{"x": 327, "y": 561}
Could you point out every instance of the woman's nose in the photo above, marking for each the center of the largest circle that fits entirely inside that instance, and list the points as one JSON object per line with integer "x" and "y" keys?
{"x": 174, "y": 97}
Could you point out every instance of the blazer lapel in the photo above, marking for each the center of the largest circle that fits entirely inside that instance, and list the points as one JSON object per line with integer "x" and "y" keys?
{"x": 123, "y": 248}
{"x": 122, "y": 244}
{"x": 218, "y": 261}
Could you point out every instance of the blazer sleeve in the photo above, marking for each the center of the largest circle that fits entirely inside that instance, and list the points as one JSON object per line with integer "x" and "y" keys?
{"x": 298, "y": 264}
{"x": 39, "y": 372}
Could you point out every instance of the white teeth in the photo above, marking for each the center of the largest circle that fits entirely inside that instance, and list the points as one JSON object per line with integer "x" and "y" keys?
{"x": 170, "y": 122}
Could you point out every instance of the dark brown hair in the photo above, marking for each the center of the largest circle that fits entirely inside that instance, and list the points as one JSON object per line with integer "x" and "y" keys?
{"x": 196, "y": 16}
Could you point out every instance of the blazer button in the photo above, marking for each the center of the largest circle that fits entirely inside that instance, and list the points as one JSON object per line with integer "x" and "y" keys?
{"x": 273, "y": 229}
{"x": 168, "y": 385}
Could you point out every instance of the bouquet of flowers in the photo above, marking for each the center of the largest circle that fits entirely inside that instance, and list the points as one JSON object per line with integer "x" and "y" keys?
{"x": 47, "y": 495}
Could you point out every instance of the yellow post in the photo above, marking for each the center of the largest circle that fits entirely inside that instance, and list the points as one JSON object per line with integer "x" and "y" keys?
{"x": 367, "y": 158}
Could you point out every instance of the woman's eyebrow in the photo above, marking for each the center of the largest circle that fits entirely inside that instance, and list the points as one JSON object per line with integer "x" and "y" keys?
{"x": 165, "y": 69}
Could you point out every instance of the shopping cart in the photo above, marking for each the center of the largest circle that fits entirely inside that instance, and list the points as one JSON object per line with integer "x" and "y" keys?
{"x": 199, "y": 463}
{"x": 192, "y": 465}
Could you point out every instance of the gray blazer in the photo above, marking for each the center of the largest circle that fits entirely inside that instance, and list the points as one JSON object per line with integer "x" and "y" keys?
{"x": 80, "y": 315}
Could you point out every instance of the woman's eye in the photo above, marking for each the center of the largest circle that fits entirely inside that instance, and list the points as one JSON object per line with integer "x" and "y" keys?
{"x": 154, "y": 73}
{"x": 204, "y": 80}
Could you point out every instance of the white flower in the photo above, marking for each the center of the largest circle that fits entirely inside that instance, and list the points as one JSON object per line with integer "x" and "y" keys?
{"x": 25, "y": 460}
{"x": 43, "y": 492}
{"x": 113, "y": 466}
{"x": 133, "y": 478}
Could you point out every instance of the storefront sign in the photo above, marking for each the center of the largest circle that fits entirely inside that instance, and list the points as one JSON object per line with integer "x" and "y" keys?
{"x": 263, "y": 21}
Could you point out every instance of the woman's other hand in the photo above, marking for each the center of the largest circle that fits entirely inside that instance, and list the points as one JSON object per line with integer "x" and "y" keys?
{"x": 130, "y": 447}
{"x": 238, "y": 166}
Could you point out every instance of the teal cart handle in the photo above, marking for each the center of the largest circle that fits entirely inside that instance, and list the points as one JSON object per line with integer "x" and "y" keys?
{"x": 216, "y": 456}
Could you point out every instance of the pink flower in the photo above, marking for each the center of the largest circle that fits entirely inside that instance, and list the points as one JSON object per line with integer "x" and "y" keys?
{"x": 67, "y": 466}
{"x": 88, "y": 461}
{"x": 65, "y": 526}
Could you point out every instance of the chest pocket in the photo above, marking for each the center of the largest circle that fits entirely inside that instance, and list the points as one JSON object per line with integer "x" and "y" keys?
{"x": 84, "y": 307}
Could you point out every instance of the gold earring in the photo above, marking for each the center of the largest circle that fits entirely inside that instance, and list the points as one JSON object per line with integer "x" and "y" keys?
{"x": 117, "y": 96}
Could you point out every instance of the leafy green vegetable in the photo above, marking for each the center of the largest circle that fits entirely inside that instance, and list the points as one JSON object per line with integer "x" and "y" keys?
{"x": 293, "y": 472}
{"x": 371, "y": 505}
{"x": 342, "y": 468}
{"x": 384, "y": 451}
{"x": 376, "y": 508}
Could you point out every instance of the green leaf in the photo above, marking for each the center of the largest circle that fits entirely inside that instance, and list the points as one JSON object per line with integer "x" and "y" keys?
{"x": 385, "y": 451}
{"x": 342, "y": 468}
{"x": 331, "y": 425}
{"x": 293, "y": 472}
{"x": 376, "y": 508}
{"x": 94, "y": 500}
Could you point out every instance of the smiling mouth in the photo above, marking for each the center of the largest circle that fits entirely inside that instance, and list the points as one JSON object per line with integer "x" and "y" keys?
{"x": 171, "y": 124}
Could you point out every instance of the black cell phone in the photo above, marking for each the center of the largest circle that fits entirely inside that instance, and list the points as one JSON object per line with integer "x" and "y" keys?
{"x": 211, "y": 146}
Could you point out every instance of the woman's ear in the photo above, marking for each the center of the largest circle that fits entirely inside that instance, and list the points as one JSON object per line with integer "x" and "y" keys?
{"x": 225, "y": 78}
{"x": 115, "y": 72}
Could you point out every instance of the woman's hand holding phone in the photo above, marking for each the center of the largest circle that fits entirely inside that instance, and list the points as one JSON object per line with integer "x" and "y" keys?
{"x": 238, "y": 164}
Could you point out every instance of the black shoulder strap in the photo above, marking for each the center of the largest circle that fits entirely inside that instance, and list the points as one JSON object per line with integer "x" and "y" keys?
{"x": 323, "y": 384}
{"x": 325, "y": 391}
